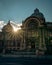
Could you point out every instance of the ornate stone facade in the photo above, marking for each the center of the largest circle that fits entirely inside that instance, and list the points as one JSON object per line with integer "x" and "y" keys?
{"x": 35, "y": 34}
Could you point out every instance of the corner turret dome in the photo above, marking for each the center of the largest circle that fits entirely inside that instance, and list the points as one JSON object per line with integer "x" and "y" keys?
{"x": 7, "y": 27}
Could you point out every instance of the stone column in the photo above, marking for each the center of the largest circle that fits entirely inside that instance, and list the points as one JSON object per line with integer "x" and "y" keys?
{"x": 42, "y": 46}
{"x": 24, "y": 42}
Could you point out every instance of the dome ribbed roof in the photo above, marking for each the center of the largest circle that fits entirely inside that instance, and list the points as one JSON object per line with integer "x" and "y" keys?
{"x": 7, "y": 28}
{"x": 38, "y": 14}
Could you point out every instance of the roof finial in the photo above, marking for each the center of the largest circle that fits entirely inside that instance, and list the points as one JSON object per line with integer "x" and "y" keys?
{"x": 36, "y": 10}
{"x": 9, "y": 22}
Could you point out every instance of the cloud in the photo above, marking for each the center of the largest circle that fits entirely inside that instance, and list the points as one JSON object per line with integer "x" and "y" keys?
{"x": 2, "y": 23}
{"x": 15, "y": 24}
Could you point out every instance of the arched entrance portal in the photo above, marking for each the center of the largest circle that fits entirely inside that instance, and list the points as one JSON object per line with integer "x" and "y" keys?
{"x": 31, "y": 42}
{"x": 31, "y": 33}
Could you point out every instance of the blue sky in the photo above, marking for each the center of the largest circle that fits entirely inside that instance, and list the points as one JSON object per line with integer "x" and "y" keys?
{"x": 18, "y": 10}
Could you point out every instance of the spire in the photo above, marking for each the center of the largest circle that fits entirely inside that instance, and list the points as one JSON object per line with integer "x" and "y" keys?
{"x": 9, "y": 22}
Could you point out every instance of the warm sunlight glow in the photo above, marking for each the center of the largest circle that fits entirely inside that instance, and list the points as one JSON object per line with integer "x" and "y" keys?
{"x": 16, "y": 28}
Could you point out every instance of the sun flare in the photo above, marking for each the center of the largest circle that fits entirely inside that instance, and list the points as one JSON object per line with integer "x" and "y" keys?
{"x": 16, "y": 28}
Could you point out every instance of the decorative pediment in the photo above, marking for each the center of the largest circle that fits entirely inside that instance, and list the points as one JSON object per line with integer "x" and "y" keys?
{"x": 36, "y": 19}
{"x": 33, "y": 22}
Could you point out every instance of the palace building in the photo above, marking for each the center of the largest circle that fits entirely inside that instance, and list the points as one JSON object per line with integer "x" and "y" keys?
{"x": 35, "y": 35}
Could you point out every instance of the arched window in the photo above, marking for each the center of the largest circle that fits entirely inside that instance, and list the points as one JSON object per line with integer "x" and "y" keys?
{"x": 32, "y": 24}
